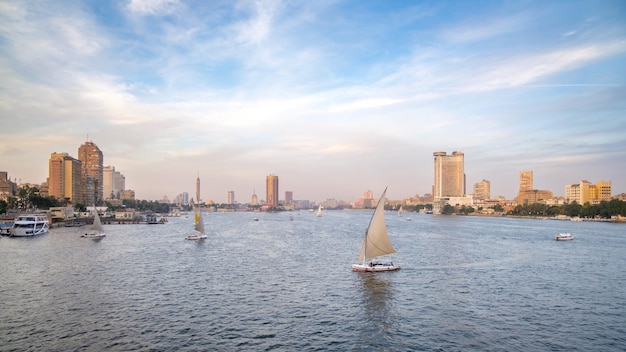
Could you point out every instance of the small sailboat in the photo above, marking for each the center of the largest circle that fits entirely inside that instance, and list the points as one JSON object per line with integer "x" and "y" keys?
{"x": 199, "y": 233}
{"x": 376, "y": 243}
{"x": 400, "y": 211}
{"x": 319, "y": 211}
{"x": 96, "y": 230}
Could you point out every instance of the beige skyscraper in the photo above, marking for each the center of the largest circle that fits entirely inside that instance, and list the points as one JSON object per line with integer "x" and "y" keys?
{"x": 272, "y": 191}
{"x": 449, "y": 175}
{"x": 65, "y": 177}
{"x": 92, "y": 173}
{"x": 525, "y": 181}
{"x": 231, "y": 197}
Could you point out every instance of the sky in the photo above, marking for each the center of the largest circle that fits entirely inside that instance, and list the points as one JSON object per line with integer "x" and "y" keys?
{"x": 333, "y": 97}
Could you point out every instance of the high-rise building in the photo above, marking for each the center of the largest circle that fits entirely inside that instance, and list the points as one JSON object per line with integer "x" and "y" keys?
{"x": 272, "y": 191}
{"x": 482, "y": 190}
{"x": 255, "y": 199}
{"x": 92, "y": 173}
{"x": 449, "y": 175}
{"x": 65, "y": 178}
{"x": 113, "y": 183}
{"x": 525, "y": 181}
{"x": 288, "y": 197}
{"x": 198, "y": 189}
{"x": 231, "y": 197}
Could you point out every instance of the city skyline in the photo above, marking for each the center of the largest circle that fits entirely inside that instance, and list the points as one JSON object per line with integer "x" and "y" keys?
{"x": 334, "y": 98}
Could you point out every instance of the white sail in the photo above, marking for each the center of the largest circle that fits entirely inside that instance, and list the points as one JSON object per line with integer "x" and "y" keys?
{"x": 97, "y": 225}
{"x": 319, "y": 211}
{"x": 376, "y": 242}
{"x": 199, "y": 223}
{"x": 400, "y": 211}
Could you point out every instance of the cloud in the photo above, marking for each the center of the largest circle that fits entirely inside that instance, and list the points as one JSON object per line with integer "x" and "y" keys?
{"x": 154, "y": 7}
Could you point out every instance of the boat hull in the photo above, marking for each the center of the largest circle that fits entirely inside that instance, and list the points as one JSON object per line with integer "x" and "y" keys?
{"x": 29, "y": 225}
{"x": 564, "y": 237}
{"x": 375, "y": 268}
{"x": 93, "y": 235}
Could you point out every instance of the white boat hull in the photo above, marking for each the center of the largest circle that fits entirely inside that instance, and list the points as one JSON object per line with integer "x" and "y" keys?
{"x": 195, "y": 236}
{"x": 375, "y": 268}
{"x": 93, "y": 235}
{"x": 29, "y": 225}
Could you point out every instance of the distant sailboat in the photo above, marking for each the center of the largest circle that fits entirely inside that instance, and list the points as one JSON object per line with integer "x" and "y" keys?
{"x": 199, "y": 233}
{"x": 97, "y": 230}
{"x": 400, "y": 211}
{"x": 376, "y": 243}
{"x": 319, "y": 211}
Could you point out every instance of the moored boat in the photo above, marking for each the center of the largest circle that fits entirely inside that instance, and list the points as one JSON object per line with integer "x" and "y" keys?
{"x": 26, "y": 225}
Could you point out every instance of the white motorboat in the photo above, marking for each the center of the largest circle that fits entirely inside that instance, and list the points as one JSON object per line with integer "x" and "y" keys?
{"x": 564, "y": 237}
{"x": 376, "y": 243}
{"x": 26, "y": 225}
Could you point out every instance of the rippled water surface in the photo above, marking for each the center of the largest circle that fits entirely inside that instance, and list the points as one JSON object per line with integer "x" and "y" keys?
{"x": 284, "y": 283}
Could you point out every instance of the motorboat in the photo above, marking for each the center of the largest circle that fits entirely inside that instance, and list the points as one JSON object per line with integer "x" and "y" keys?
{"x": 26, "y": 225}
{"x": 564, "y": 237}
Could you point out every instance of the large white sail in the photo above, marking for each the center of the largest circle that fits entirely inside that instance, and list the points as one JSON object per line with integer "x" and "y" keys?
{"x": 97, "y": 225}
{"x": 376, "y": 242}
{"x": 319, "y": 211}
{"x": 199, "y": 225}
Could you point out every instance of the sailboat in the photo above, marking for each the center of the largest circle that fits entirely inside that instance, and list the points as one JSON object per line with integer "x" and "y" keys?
{"x": 376, "y": 243}
{"x": 319, "y": 211}
{"x": 97, "y": 230}
{"x": 199, "y": 233}
{"x": 400, "y": 211}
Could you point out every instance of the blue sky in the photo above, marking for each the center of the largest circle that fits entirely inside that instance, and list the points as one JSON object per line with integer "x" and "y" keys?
{"x": 334, "y": 97}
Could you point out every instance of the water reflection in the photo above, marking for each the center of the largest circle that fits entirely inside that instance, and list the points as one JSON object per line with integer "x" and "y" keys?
{"x": 378, "y": 308}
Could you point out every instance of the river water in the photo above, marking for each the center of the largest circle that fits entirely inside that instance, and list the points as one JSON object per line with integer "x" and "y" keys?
{"x": 284, "y": 283}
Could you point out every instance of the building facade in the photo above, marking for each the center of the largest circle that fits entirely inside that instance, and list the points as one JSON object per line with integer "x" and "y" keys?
{"x": 65, "y": 178}
{"x": 482, "y": 190}
{"x": 92, "y": 163}
{"x": 585, "y": 192}
{"x": 230, "y": 197}
{"x": 288, "y": 197}
{"x": 7, "y": 187}
{"x": 272, "y": 191}
{"x": 449, "y": 175}
{"x": 113, "y": 183}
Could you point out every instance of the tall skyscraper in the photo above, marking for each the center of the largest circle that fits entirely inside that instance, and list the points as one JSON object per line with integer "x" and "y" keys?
{"x": 231, "y": 197}
{"x": 272, "y": 191}
{"x": 449, "y": 175}
{"x": 65, "y": 178}
{"x": 92, "y": 173}
{"x": 198, "y": 189}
